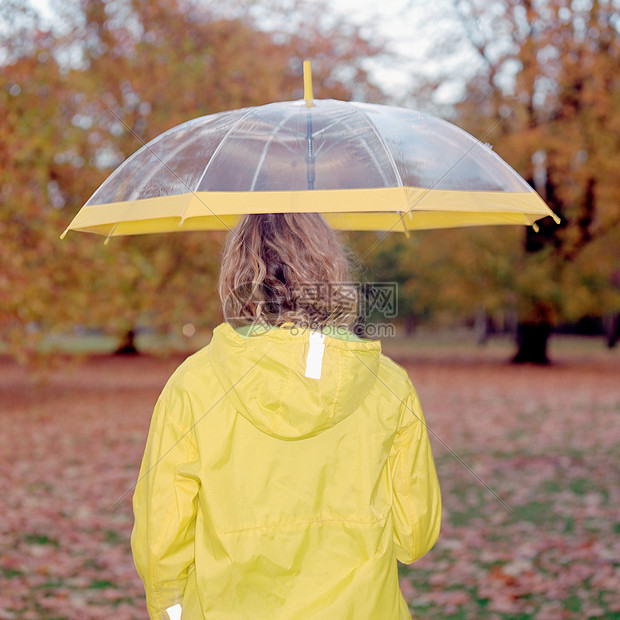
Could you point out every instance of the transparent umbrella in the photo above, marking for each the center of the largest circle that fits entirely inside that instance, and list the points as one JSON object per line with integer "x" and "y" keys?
{"x": 364, "y": 166}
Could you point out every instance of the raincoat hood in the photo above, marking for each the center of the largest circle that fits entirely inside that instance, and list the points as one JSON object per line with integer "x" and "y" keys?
{"x": 264, "y": 376}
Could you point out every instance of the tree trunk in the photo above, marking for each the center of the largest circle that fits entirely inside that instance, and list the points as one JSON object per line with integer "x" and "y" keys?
{"x": 481, "y": 326}
{"x": 532, "y": 339}
{"x": 612, "y": 329}
{"x": 127, "y": 345}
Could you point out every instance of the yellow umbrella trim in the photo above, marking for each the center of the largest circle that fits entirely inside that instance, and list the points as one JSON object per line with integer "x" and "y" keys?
{"x": 396, "y": 208}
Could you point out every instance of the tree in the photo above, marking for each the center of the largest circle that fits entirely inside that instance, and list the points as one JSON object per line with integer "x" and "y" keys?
{"x": 80, "y": 99}
{"x": 419, "y": 266}
{"x": 547, "y": 95}
{"x": 35, "y": 120}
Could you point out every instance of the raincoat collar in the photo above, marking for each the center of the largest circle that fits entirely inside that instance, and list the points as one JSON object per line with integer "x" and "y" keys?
{"x": 264, "y": 378}
{"x": 335, "y": 331}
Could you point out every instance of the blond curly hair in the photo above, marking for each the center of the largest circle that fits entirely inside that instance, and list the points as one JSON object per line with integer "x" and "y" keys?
{"x": 281, "y": 268}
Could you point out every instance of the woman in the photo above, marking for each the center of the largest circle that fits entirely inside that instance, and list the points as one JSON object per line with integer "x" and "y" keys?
{"x": 288, "y": 466}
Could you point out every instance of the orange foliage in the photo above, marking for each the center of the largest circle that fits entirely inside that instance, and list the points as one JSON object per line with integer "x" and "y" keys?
{"x": 558, "y": 124}
{"x": 77, "y": 100}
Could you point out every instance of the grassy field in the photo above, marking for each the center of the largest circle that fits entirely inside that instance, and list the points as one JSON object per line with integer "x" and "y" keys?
{"x": 528, "y": 459}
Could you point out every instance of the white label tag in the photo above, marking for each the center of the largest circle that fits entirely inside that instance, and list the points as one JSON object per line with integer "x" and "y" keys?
{"x": 174, "y": 612}
{"x": 314, "y": 361}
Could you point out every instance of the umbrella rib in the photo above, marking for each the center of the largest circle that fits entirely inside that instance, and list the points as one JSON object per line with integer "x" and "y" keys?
{"x": 476, "y": 143}
{"x": 326, "y": 128}
{"x": 370, "y": 151}
{"x": 148, "y": 178}
{"x": 264, "y": 153}
{"x": 148, "y": 146}
{"x": 383, "y": 144}
{"x": 219, "y": 147}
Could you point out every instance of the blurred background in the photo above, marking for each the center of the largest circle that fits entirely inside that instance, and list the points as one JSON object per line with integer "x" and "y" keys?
{"x": 84, "y": 84}
{"x": 527, "y": 455}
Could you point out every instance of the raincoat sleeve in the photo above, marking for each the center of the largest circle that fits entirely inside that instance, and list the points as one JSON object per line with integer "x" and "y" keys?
{"x": 416, "y": 500}
{"x": 165, "y": 505}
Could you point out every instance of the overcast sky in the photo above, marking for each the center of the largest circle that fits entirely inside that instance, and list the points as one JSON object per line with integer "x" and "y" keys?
{"x": 414, "y": 29}
{"x": 420, "y": 32}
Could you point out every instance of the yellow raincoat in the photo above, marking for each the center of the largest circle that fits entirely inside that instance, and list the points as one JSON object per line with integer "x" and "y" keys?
{"x": 267, "y": 493}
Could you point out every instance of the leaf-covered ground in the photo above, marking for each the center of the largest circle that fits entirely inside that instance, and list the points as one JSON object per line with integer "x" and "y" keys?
{"x": 528, "y": 459}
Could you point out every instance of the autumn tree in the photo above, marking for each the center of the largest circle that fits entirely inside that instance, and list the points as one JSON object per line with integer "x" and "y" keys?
{"x": 36, "y": 119}
{"x": 82, "y": 97}
{"x": 422, "y": 266}
{"x": 546, "y": 94}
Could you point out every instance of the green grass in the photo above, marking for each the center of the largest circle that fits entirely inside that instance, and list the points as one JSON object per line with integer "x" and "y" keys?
{"x": 40, "y": 539}
{"x": 100, "y": 584}
{"x": 102, "y": 344}
{"x": 114, "y": 538}
{"x": 424, "y": 341}
{"x": 462, "y": 343}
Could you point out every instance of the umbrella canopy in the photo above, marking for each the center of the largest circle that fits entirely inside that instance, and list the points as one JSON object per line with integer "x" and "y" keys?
{"x": 364, "y": 166}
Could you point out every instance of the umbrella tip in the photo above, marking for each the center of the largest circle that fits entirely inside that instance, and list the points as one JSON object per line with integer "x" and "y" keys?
{"x": 308, "y": 96}
{"x": 107, "y": 239}
{"x": 402, "y": 221}
{"x": 64, "y": 234}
